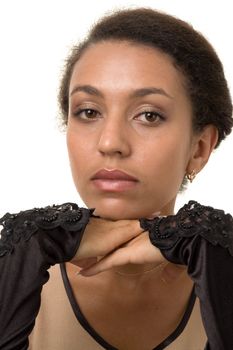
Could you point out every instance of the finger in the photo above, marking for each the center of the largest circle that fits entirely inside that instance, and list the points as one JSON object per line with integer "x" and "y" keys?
{"x": 117, "y": 258}
{"x": 126, "y": 232}
{"x": 137, "y": 251}
{"x": 102, "y": 236}
{"x": 85, "y": 263}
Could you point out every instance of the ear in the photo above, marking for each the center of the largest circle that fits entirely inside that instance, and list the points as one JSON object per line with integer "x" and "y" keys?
{"x": 203, "y": 144}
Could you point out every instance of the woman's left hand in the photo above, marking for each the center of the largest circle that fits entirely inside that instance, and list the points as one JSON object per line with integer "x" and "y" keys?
{"x": 139, "y": 250}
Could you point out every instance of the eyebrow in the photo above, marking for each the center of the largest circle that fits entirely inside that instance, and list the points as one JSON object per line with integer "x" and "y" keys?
{"x": 91, "y": 90}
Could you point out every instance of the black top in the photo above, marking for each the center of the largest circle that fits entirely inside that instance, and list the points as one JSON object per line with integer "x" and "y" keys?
{"x": 31, "y": 241}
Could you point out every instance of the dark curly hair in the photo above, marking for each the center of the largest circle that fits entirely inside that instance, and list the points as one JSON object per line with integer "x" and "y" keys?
{"x": 192, "y": 54}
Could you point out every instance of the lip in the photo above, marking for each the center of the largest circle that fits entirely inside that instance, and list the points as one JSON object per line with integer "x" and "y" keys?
{"x": 115, "y": 174}
{"x": 113, "y": 180}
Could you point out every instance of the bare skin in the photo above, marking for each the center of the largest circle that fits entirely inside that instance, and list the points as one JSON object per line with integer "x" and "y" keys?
{"x": 145, "y": 295}
{"x": 126, "y": 310}
{"x": 116, "y": 121}
{"x": 133, "y": 304}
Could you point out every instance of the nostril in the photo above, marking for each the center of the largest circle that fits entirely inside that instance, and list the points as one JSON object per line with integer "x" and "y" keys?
{"x": 114, "y": 143}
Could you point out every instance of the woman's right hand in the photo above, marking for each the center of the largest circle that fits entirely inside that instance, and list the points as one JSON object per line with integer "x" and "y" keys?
{"x": 116, "y": 243}
{"x": 102, "y": 237}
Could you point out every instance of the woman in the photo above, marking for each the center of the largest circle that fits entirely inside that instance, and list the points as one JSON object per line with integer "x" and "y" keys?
{"x": 145, "y": 102}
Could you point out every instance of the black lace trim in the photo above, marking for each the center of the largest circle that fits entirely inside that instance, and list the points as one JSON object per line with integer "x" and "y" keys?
{"x": 26, "y": 223}
{"x": 192, "y": 219}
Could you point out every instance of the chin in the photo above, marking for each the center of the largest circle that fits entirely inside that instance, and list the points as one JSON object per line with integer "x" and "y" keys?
{"x": 113, "y": 210}
{"x": 120, "y": 213}
{"x": 115, "y": 216}
{"x": 111, "y": 214}
{"x": 118, "y": 209}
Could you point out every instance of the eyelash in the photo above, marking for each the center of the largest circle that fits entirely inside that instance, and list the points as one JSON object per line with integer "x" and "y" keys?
{"x": 84, "y": 110}
{"x": 79, "y": 112}
{"x": 153, "y": 113}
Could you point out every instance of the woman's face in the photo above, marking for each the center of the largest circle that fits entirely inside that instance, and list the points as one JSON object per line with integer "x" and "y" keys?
{"x": 129, "y": 114}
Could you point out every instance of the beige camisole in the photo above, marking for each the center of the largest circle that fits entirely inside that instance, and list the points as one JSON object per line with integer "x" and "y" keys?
{"x": 61, "y": 326}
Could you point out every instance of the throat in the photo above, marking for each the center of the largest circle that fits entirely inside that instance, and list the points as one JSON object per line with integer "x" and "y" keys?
{"x": 134, "y": 280}
{"x": 131, "y": 270}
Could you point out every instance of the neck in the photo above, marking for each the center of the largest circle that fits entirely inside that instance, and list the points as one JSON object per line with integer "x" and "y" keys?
{"x": 135, "y": 271}
{"x": 138, "y": 278}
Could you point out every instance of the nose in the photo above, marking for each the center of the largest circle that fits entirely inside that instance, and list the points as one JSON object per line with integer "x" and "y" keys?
{"x": 114, "y": 139}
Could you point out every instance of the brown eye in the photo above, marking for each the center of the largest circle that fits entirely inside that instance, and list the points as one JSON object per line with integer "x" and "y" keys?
{"x": 150, "y": 117}
{"x": 86, "y": 113}
{"x": 90, "y": 113}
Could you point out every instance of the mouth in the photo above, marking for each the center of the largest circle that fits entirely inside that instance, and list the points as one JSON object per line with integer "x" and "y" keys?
{"x": 114, "y": 180}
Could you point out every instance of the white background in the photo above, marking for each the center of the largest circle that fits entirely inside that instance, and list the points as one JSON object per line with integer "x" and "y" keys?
{"x": 35, "y": 37}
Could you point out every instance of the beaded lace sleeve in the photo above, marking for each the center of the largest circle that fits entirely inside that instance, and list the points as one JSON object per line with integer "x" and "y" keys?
{"x": 31, "y": 241}
{"x": 201, "y": 238}
{"x": 191, "y": 220}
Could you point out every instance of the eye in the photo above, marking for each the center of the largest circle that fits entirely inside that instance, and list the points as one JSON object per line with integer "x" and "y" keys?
{"x": 150, "y": 117}
{"x": 86, "y": 113}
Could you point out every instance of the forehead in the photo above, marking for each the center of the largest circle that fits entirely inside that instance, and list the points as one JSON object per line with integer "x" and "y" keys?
{"x": 123, "y": 65}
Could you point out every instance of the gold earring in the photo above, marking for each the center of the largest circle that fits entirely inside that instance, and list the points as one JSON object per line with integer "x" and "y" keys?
{"x": 191, "y": 176}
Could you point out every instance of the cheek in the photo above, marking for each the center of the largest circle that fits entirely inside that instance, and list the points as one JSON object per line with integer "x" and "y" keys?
{"x": 77, "y": 151}
{"x": 164, "y": 171}
{"x": 166, "y": 164}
